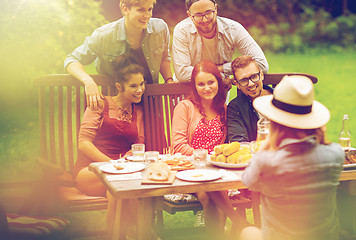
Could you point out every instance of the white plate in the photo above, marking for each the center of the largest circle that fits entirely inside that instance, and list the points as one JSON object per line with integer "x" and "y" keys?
{"x": 228, "y": 165}
{"x": 129, "y": 167}
{"x": 350, "y": 166}
{"x": 130, "y": 158}
{"x": 199, "y": 175}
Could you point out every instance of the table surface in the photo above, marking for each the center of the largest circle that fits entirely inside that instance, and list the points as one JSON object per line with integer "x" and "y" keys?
{"x": 125, "y": 189}
{"x": 133, "y": 188}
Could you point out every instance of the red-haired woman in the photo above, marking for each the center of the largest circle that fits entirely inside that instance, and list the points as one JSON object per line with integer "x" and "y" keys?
{"x": 199, "y": 122}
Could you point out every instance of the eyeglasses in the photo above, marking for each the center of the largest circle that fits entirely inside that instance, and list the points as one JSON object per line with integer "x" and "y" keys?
{"x": 199, "y": 17}
{"x": 254, "y": 78}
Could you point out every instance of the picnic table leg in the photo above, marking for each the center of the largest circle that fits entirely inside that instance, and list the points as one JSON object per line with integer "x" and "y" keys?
{"x": 255, "y": 197}
{"x": 144, "y": 224}
{"x": 116, "y": 230}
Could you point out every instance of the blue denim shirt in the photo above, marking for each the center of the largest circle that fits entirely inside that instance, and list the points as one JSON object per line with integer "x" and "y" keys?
{"x": 187, "y": 47}
{"x": 110, "y": 41}
{"x": 298, "y": 185}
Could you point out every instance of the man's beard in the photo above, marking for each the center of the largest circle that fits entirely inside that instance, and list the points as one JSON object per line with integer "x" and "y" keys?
{"x": 208, "y": 29}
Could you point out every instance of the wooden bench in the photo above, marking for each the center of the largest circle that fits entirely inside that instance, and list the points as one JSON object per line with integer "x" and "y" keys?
{"x": 61, "y": 106}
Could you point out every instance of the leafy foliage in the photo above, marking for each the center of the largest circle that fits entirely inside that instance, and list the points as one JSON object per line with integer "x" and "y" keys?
{"x": 36, "y": 36}
{"x": 280, "y": 25}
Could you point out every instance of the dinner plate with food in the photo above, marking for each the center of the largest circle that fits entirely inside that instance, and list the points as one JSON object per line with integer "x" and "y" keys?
{"x": 350, "y": 159}
{"x": 178, "y": 162}
{"x": 199, "y": 175}
{"x": 231, "y": 155}
{"x": 120, "y": 168}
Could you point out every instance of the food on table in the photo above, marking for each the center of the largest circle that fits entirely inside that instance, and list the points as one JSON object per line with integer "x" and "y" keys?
{"x": 239, "y": 157}
{"x": 234, "y": 153}
{"x": 350, "y": 157}
{"x": 219, "y": 148}
{"x": 178, "y": 162}
{"x": 221, "y": 158}
{"x": 231, "y": 148}
{"x": 197, "y": 175}
{"x": 158, "y": 171}
{"x": 119, "y": 166}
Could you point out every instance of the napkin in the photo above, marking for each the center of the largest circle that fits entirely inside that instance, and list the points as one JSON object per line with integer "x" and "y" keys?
{"x": 229, "y": 176}
{"x": 120, "y": 177}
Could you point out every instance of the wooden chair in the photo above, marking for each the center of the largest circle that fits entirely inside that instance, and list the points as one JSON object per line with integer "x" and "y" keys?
{"x": 273, "y": 79}
{"x": 159, "y": 101}
{"x": 61, "y": 105}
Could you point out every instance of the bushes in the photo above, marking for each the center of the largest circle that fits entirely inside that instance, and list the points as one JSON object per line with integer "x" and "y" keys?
{"x": 314, "y": 29}
{"x": 37, "y": 35}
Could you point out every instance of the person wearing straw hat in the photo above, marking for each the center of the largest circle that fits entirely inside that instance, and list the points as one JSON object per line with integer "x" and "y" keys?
{"x": 296, "y": 170}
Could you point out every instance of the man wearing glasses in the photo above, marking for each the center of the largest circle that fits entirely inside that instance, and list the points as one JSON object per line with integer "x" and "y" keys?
{"x": 204, "y": 35}
{"x": 241, "y": 116}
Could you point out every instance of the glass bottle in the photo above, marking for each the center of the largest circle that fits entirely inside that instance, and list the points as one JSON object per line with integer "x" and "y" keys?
{"x": 262, "y": 129}
{"x": 345, "y": 135}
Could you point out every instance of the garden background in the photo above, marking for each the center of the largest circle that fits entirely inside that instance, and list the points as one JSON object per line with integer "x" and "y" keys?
{"x": 316, "y": 37}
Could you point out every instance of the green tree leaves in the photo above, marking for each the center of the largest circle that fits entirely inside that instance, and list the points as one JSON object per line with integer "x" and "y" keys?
{"x": 36, "y": 36}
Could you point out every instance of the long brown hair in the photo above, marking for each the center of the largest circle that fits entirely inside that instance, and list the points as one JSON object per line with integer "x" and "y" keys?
{"x": 279, "y": 132}
{"x": 218, "y": 103}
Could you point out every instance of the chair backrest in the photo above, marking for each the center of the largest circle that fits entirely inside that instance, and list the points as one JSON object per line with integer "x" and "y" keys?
{"x": 159, "y": 101}
{"x": 274, "y": 78}
{"x": 61, "y": 106}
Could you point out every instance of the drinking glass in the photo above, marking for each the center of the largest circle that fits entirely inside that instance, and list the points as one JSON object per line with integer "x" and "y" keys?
{"x": 200, "y": 157}
{"x": 253, "y": 147}
{"x": 151, "y": 157}
{"x": 138, "y": 151}
{"x": 262, "y": 129}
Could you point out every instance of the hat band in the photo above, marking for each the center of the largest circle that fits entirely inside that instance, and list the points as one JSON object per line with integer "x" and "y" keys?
{"x": 291, "y": 108}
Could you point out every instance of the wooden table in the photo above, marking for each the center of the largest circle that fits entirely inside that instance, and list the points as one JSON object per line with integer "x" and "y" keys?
{"x": 145, "y": 194}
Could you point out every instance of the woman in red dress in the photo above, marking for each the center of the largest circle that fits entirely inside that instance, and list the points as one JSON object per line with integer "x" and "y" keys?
{"x": 200, "y": 123}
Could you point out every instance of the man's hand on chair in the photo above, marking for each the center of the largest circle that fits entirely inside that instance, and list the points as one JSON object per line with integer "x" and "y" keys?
{"x": 93, "y": 95}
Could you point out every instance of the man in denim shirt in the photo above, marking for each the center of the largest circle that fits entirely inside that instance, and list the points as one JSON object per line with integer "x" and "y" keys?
{"x": 204, "y": 35}
{"x": 145, "y": 37}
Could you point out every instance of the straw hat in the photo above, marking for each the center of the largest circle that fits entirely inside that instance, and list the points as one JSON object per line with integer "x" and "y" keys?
{"x": 292, "y": 104}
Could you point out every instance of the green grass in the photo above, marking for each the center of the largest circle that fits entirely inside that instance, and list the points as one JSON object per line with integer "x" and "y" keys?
{"x": 336, "y": 85}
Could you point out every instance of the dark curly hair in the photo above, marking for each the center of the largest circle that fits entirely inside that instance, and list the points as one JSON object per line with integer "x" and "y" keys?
{"x": 125, "y": 65}
{"x": 220, "y": 98}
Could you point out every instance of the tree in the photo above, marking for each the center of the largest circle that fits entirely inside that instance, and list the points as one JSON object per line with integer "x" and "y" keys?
{"x": 36, "y": 36}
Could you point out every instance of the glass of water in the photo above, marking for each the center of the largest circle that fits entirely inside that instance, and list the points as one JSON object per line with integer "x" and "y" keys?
{"x": 151, "y": 157}
{"x": 200, "y": 157}
{"x": 138, "y": 151}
